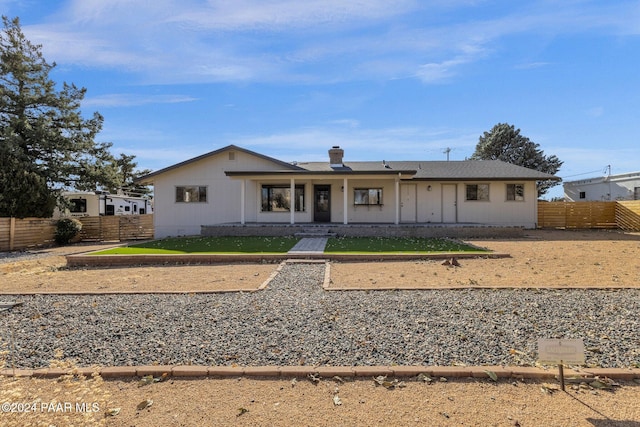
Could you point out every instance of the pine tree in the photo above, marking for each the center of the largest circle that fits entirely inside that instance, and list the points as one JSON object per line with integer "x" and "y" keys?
{"x": 504, "y": 142}
{"x": 127, "y": 174}
{"x": 46, "y": 145}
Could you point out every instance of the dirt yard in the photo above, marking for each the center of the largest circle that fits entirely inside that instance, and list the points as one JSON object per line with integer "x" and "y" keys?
{"x": 542, "y": 259}
{"x": 331, "y": 402}
{"x": 560, "y": 259}
{"x": 47, "y": 276}
{"x": 50, "y": 275}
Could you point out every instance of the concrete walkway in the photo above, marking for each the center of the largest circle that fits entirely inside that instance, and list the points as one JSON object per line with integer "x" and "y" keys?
{"x": 309, "y": 245}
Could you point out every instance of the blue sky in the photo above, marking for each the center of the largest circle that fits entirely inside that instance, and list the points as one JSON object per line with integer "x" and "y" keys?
{"x": 384, "y": 79}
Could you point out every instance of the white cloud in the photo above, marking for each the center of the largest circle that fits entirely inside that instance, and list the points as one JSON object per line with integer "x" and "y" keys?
{"x": 184, "y": 41}
{"x": 131, "y": 100}
{"x": 64, "y": 45}
{"x": 277, "y": 15}
{"x": 439, "y": 72}
{"x": 100, "y": 13}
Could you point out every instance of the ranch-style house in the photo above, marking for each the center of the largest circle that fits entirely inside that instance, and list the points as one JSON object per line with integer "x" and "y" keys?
{"x": 236, "y": 185}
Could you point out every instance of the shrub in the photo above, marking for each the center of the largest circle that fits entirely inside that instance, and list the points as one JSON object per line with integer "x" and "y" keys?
{"x": 67, "y": 229}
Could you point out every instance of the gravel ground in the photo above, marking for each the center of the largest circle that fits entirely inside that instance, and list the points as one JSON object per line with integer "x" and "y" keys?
{"x": 295, "y": 322}
{"x": 44, "y": 252}
{"x": 6, "y": 257}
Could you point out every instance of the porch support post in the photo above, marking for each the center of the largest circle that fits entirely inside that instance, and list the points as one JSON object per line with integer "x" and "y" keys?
{"x": 345, "y": 199}
{"x": 243, "y": 200}
{"x": 397, "y": 200}
{"x": 292, "y": 201}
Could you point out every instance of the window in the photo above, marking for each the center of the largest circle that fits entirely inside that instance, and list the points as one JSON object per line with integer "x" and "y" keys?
{"x": 367, "y": 196}
{"x": 277, "y": 198}
{"x": 583, "y": 195}
{"x": 478, "y": 192}
{"x": 78, "y": 205}
{"x": 192, "y": 194}
{"x": 515, "y": 192}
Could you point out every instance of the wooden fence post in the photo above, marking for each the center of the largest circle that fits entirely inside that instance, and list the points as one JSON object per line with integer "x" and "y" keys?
{"x": 12, "y": 232}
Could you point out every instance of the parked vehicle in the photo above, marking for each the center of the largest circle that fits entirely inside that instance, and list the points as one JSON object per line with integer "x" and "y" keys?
{"x": 97, "y": 203}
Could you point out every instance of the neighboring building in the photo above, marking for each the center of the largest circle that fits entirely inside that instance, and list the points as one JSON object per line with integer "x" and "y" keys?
{"x": 88, "y": 203}
{"x": 624, "y": 186}
{"x": 235, "y": 185}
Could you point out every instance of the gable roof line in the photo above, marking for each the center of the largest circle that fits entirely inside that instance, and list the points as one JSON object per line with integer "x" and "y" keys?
{"x": 322, "y": 172}
{"x": 474, "y": 170}
{"x": 145, "y": 178}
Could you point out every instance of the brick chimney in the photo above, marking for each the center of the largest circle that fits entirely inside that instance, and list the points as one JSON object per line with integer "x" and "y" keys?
{"x": 335, "y": 156}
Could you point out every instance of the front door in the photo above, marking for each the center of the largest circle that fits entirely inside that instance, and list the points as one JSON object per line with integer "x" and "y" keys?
{"x": 322, "y": 203}
{"x": 449, "y": 203}
{"x": 408, "y": 205}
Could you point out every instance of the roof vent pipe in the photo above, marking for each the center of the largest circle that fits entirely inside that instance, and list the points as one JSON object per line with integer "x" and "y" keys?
{"x": 336, "y": 155}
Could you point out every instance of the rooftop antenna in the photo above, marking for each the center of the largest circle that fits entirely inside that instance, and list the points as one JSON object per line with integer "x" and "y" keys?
{"x": 447, "y": 151}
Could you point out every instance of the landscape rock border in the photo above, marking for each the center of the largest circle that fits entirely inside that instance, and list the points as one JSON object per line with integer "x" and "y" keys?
{"x": 271, "y": 372}
{"x": 89, "y": 260}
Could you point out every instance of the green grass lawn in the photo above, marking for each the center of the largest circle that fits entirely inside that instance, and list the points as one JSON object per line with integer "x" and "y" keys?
{"x": 280, "y": 245}
{"x": 367, "y": 245}
{"x": 195, "y": 245}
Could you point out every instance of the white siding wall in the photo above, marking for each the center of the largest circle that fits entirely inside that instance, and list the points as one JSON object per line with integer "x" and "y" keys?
{"x": 223, "y": 194}
{"x": 337, "y": 200}
{"x": 372, "y": 213}
{"x": 498, "y": 210}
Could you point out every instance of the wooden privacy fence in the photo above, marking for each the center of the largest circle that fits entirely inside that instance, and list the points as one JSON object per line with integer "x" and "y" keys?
{"x": 624, "y": 215}
{"x": 17, "y": 234}
{"x": 628, "y": 215}
{"x": 577, "y": 215}
{"x": 118, "y": 227}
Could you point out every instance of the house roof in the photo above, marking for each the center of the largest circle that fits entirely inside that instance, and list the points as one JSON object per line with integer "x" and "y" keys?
{"x": 469, "y": 170}
{"x": 472, "y": 170}
{"x": 148, "y": 178}
{"x": 485, "y": 170}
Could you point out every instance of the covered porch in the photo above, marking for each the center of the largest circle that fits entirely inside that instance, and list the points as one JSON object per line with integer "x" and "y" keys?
{"x": 344, "y": 197}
